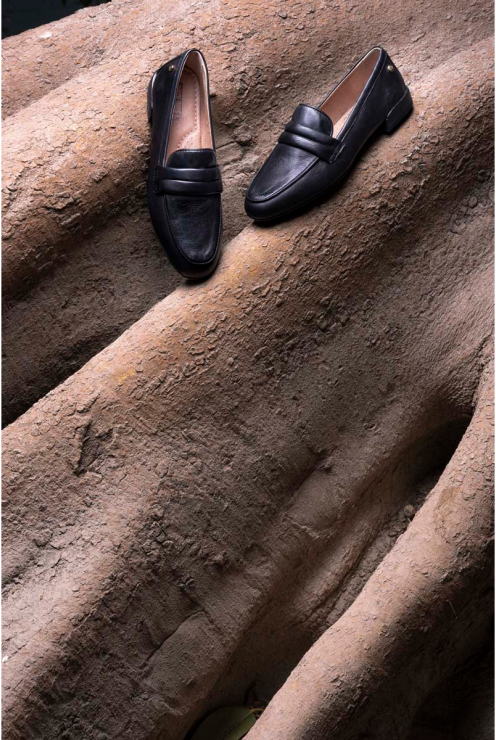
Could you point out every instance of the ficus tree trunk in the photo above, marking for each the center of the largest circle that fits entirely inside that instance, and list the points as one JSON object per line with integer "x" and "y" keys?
{"x": 79, "y": 252}
{"x": 278, "y": 481}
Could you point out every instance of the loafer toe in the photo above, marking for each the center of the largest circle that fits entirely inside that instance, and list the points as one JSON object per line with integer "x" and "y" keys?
{"x": 271, "y": 189}
{"x": 195, "y": 228}
{"x": 275, "y": 187}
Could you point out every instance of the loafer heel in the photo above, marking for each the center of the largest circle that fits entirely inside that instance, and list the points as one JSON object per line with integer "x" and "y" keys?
{"x": 399, "y": 112}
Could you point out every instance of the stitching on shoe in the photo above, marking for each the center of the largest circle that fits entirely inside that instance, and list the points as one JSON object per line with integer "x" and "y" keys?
{"x": 196, "y": 124}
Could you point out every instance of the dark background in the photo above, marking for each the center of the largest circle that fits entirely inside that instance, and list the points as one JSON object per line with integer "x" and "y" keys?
{"x": 19, "y": 15}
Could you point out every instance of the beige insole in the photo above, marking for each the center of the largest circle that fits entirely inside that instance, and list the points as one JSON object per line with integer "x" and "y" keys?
{"x": 343, "y": 99}
{"x": 190, "y": 128}
{"x": 337, "y": 127}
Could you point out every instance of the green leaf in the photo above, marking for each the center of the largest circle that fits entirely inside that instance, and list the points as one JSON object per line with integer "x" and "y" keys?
{"x": 228, "y": 723}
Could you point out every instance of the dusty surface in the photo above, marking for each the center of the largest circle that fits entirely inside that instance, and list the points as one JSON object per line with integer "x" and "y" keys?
{"x": 298, "y": 449}
{"x": 79, "y": 252}
{"x": 420, "y": 614}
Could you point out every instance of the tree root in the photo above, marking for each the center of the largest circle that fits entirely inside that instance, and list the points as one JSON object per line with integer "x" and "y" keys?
{"x": 218, "y": 460}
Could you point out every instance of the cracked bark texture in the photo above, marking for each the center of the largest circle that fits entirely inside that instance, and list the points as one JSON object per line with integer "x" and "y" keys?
{"x": 79, "y": 252}
{"x": 281, "y": 477}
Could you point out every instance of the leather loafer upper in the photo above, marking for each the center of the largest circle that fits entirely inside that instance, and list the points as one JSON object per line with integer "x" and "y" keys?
{"x": 184, "y": 182}
{"x": 319, "y": 145}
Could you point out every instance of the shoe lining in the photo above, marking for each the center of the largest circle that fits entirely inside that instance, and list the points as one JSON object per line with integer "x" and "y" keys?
{"x": 190, "y": 127}
{"x": 340, "y": 103}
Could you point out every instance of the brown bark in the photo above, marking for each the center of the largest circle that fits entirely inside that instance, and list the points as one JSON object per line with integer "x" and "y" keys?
{"x": 414, "y": 620}
{"x": 191, "y": 510}
{"x": 79, "y": 252}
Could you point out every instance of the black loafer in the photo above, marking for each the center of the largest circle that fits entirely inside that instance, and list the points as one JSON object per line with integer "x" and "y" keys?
{"x": 184, "y": 182}
{"x": 319, "y": 145}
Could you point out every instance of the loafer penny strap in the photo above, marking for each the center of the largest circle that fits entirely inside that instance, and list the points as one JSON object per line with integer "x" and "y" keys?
{"x": 185, "y": 181}
{"x": 315, "y": 142}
